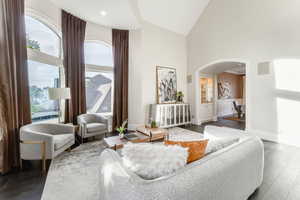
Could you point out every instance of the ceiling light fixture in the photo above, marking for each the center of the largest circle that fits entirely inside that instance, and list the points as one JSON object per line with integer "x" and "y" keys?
{"x": 103, "y": 13}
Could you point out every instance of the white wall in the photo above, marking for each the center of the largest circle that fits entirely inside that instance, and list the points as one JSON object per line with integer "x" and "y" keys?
{"x": 225, "y": 107}
{"x": 153, "y": 46}
{"x": 149, "y": 47}
{"x": 253, "y": 31}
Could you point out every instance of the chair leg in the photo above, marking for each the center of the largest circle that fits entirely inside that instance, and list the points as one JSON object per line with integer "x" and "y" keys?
{"x": 44, "y": 156}
{"x": 44, "y": 165}
{"x": 21, "y": 164}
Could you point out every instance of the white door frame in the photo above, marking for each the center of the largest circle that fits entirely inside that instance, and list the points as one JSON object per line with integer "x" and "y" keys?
{"x": 207, "y": 106}
{"x": 197, "y": 88}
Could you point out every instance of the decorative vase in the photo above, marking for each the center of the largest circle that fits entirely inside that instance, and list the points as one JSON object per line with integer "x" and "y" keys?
{"x": 180, "y": 99}
{"x": 121, "y": 135}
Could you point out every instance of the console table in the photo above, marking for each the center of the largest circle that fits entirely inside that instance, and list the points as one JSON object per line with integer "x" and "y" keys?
{"x": 170, "y": 115}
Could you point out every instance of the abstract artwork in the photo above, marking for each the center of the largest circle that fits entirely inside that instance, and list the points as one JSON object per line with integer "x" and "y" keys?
{"x": 166, "y": 85}
{"x": 224, "y": 90}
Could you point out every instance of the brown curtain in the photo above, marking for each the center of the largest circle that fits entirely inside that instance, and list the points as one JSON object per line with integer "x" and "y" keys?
{"x": 14, "y": 89}
{"x": 73, "y": 34}
{"x": 120, "y": 40}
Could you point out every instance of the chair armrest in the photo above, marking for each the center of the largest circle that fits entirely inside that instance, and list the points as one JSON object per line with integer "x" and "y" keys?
{"x": 81, "y": 119}
{"x": 43, "y": 146}
{"x": 82, "y": 129}
{"x": 103, "y": 120}
{"x": 31, "y": 137}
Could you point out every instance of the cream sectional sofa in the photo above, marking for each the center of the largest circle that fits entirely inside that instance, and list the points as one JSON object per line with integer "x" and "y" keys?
{"x": 232, "y": 173}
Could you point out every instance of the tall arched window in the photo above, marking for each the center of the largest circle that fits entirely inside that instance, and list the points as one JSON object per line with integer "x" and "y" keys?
{"x": 44, "y": 67}
{"x": 99, "y": 77}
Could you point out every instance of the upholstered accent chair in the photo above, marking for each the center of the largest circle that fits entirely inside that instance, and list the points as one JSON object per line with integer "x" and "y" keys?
{"x": 92, "y": 125}
{"x": 41, "y": 141}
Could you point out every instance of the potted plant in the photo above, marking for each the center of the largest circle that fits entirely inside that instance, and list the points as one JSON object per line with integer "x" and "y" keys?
{"x": 153, "y": 124}
{"x": 121, "y": 130}
{"x": 179, "y": 96}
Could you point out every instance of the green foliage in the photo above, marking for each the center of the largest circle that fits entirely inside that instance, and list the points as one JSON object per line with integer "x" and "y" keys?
{"x": 153, "y": 124}
{"x": 179, "y": 94}
{"x": 33, "y": 44}
{"x": 35, "y": 108}
{"x": 36, "y": 92}
{"x": 122, "y": 128}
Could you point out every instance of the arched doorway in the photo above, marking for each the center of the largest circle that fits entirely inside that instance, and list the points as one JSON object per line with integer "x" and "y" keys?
{"x": 209, "y": 110}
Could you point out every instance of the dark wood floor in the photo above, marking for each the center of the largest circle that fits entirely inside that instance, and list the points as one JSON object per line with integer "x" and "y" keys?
{"x": 281, "y": 173}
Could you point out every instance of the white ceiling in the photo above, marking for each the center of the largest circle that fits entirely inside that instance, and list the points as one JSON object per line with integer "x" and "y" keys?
{"x": 238, "y": 70}
{"x": 231, "y": 67}
{"x": 175, "y": 15}
{"x": 120, "y": 13}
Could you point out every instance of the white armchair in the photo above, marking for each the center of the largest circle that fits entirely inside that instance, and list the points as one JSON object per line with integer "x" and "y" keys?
{"x": 92, "y": 125}
{"x": 43, "y": 141}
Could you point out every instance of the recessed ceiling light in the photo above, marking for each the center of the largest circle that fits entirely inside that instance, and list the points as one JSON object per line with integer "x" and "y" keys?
{"x": 103, "y": 13}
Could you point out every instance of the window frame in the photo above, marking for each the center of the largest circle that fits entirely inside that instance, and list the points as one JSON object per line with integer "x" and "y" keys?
{"x": 99, "y": 68}
{"x": 39, "y": 56}
{"x": 44, "y": 58}
{"x": 102, "y": 69}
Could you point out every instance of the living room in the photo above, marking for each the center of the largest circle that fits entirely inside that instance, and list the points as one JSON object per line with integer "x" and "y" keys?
{"x": 91, "y": 90}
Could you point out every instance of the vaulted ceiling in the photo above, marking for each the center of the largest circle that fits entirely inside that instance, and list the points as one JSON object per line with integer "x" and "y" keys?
{"x": 175, "y": 15}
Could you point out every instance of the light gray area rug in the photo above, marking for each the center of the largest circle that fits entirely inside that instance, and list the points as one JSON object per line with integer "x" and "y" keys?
{"x": 74, "y": 175}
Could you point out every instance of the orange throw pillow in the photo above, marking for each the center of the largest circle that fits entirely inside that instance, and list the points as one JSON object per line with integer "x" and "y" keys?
{"x": 196, "y": 149}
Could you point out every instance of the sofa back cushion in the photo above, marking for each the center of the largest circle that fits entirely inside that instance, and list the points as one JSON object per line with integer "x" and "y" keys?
{"x": 219, "y": 143}
{"x": 196, "y": 149}
{"x": 151, "y": 161}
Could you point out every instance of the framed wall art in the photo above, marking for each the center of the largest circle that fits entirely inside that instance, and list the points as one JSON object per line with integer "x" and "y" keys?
{"x": 166, "y": 81}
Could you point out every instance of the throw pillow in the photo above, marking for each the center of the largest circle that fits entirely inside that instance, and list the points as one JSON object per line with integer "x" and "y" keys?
{"x": 217, "y": 144}
{"x": 196, "y": 149}
{"x": 151, "y": 161}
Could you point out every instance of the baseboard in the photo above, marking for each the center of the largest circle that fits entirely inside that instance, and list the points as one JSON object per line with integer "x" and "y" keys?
{"x": 227, "y": 114}
{"x": 269, "y": 136}
{"x": 207, "y": 120}
{"x": 287, "y": 139}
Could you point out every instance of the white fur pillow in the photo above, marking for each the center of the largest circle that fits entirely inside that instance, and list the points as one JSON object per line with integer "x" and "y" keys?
{"x": 151, "y": 161}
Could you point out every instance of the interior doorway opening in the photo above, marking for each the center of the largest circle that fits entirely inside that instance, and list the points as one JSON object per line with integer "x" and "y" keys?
{"x": 221, "y": 93}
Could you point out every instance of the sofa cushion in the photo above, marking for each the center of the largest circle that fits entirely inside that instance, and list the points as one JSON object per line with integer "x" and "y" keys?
{"x": 196, "y": 149}
{"x": 153, "y": 160}
{"x": 61, "y": 140}
{"x": 217, "y": 144}
{"x": 95, "y": 127}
